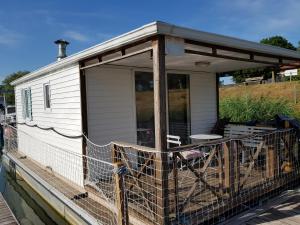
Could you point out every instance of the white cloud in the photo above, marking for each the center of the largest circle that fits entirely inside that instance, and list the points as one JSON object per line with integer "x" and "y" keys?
{"x": 75, "y": 35}
{"x": 9, "y": 37}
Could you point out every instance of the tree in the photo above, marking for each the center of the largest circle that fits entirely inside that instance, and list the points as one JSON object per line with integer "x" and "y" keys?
{"x": 278, "y": 41}
{"x": 241, "y": 75}
{"x": 7, "y": 88}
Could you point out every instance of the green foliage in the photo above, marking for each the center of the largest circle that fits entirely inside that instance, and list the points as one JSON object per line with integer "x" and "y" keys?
{"x": 246, "y": 108}
{"x": 239, "y": 76}
{"x": 278, "y": 41}
{"x": 8, "y": 88}
{"x": 293, "y": 78}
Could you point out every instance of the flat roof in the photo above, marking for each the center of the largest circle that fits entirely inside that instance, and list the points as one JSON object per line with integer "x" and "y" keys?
{"x": 162, "y": 28}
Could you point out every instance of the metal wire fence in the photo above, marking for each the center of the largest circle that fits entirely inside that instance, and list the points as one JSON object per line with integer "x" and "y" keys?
{"x": 208, "y": 181}
{"x": 193, "y": 184}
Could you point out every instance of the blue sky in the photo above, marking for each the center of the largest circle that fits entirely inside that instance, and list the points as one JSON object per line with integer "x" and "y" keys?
{"x": 28, "y": 28}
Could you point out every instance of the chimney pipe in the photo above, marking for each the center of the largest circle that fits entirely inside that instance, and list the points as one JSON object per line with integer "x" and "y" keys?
{"x": 62, "y": 45}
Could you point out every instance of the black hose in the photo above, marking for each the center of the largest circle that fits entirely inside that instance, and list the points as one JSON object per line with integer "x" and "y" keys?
{"x": 53, "y": 129}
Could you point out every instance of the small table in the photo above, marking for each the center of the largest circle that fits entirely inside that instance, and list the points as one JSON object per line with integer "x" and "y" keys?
{"x": 205, "y": 137}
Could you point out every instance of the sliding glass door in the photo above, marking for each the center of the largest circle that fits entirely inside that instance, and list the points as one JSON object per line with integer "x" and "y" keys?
{"x": 144, "y": 97}
{"x": 178, "y": 107}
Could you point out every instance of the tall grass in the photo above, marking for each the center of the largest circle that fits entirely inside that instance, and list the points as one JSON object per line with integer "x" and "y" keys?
{"x": 247, "y": 108}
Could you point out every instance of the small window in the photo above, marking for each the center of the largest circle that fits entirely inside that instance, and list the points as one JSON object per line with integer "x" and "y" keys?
{"x": 47, "y": 97}
{"x": 27, "y": 103}
{"x": 11, "y": 109}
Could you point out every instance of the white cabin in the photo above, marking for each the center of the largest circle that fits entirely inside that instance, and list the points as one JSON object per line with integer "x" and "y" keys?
{"x": 129, "y": 88}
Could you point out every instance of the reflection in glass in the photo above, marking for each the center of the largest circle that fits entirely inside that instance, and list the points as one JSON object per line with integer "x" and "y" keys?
{"x": 144, "y": 108}
{"x": 178, "y": 107}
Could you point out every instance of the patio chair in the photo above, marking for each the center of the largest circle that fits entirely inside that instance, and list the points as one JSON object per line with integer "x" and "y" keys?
{"x": 190, "y": 155}
{"x": 173, "y": 139}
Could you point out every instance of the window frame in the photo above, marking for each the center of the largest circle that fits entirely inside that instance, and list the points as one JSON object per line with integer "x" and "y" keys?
{"x": 27, "y": 113}
{"x": 47, "y": 96}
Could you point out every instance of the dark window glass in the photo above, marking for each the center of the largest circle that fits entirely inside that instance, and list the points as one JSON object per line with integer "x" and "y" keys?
{"x": 47, "y": 96}
{"x": 11, "y": 110}
{"x": 179, "y": 106}
{"x": 144, "y": 108}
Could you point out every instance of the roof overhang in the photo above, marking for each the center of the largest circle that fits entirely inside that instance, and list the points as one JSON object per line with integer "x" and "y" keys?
{"x": 161, "y": 28}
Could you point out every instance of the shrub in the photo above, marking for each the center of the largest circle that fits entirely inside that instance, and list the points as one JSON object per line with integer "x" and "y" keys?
{"x": 246, "y": 108}
{"x": 294, "y": 78}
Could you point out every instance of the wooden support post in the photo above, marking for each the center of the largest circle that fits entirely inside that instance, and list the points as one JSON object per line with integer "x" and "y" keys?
{"x": 236, "y": 166}
{"x": 121, "y": 201}
{"x": 273, "y": 76}
{"x": 229, "y": 177}
{"x": 84, "y": 120}
{"x": 175, "y": 177}
{"x": 271, "y": 162}
{"x": 218, "y": 95}
{"x": 220, "y": 169}
{"x": 161, "y": 160}
{"x": 116, "y": 153}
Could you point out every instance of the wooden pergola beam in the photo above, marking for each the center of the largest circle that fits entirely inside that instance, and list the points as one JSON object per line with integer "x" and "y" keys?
{"x": 216, "y": 55}
{"x": 120, "y": 50}
{"x": 123, "y": 56}
{"x": 251, "y": 54}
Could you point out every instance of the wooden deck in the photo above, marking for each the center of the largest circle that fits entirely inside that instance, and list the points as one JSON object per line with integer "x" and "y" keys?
{"x": 280, "y": 211}
{"x": 6, "y": 215}
{"x": 70, "y": 190}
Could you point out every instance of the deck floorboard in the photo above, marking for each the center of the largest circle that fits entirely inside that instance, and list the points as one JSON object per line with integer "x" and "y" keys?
{"x": 6, "y": 215}
{"x": 282, "y": 211}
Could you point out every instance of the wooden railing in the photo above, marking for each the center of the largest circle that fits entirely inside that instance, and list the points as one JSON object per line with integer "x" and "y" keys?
{"x": 209, "y": 179}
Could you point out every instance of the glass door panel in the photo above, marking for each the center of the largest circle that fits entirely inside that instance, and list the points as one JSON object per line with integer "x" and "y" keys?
{"x": 144, "y": 108}
{"x": 179, "y": 106}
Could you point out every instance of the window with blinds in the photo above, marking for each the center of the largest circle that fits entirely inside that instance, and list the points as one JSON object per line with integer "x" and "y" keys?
{"x": 26, "y": 104}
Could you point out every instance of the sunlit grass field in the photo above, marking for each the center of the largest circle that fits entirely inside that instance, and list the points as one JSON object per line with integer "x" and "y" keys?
{"x": 260, "y": 100}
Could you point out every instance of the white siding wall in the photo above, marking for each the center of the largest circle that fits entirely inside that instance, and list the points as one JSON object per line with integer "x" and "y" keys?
{"x": 203, "y": 102}
{"x": 111, "y": 105}
{"x": 64, "y": 116}
{"x": 111, "y": 113}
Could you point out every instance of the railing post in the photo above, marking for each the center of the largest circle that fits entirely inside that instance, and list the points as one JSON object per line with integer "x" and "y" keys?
{"x": 121, "y": 200}
{"x": 236, "y": 166}
{"x": 220, "y": 168}
{"x": 115, "y": 153}
{"x": 271, "y": 156}
{"x": 271, "y": 161}
{"x": 228, "y": 169}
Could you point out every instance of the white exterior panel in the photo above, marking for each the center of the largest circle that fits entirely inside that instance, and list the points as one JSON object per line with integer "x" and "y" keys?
{"x": 203, "y": 102}
{"x": 110, "y": 105}
{"x": 48, "y": 148}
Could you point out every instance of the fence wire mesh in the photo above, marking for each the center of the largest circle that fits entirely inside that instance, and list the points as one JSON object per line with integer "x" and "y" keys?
{"x": 193, "y": 184}
{"x": 208, "y": 181}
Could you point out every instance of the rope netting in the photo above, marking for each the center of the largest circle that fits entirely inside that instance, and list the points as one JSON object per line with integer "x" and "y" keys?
{"x": 191, "y": 184}
{"x": 65, "y": 171}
